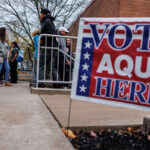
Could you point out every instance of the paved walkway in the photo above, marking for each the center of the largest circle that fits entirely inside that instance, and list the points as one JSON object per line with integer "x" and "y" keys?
{"x": 88, "y": 114}
{"x": 25, "y": 122}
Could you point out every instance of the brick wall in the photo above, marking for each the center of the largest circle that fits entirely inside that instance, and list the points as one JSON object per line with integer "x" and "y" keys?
{"x": 99, "y": 8}
{"x": 103, "y": 8}
{"x": 134, "y": 8}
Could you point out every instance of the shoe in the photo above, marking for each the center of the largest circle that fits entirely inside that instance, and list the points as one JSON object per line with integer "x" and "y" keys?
{"x": 7, "y": 84}
{"x": 41, "y": 85}
{"x": 14, "y": 82}
{"x": 1, "y": 85}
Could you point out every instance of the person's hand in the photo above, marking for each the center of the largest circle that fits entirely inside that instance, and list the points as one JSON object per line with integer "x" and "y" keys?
{"x": 67, "y": 62}
{"x": 41, "y": 41}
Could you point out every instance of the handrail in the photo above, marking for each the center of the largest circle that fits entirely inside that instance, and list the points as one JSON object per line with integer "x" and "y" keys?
{"x": 59, "y": 36}
{"x": 58, "y": 50}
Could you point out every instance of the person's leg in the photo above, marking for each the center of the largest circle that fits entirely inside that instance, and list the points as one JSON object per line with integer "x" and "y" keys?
{"x": 1, "y": 67}
{"x": 40, "y": 72}
{"x": 0, "y": 72}
{"x": 7, "y": 70}
{"x": 14, "y": 72}
{"x": 55, "y": 70}
{"x": 11, "y": 73}
{"x": 41, "y": 64}
{"x": 34, "y": 72}
{"x": 67, "y": 71}
{"x": 61, "y": 66}
{"x": 3, "y": 72}
{"x": 55, "y": 74}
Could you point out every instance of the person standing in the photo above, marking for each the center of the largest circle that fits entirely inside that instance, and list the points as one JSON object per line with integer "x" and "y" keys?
{"x": 70, "y": 64}
{"x": 62, "y": 58}
{"x": 13, "y": 61}
{"x": 62, "y": 41}
{"x": 4, "y": 56}
{"x": 48, "y": 27}
{"x": 35, "y": 35}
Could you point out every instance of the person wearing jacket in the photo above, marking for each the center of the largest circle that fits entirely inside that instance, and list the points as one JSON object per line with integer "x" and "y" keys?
{"x": 35, "y": 35}
{"x": 48, "y": 27}
{"x": 62, "y": 59}
{"x": 4, "y": 56}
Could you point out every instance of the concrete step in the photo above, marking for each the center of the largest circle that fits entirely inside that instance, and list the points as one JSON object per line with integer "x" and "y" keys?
{"x": 50, "y": 91}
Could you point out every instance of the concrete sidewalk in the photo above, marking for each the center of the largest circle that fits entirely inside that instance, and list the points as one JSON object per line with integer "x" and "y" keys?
{"x": 25, "y": 122}
{"x": 86, "y": 114}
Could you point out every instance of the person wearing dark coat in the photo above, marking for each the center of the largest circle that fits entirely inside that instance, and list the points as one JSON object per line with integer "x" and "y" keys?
{"x": 48, "y": 27}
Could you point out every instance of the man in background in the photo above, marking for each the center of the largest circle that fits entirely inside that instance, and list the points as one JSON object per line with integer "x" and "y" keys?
{"x": 48, "y": 27}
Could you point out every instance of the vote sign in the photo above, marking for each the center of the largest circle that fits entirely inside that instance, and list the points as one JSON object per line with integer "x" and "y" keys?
{"x": 112, "y": 64}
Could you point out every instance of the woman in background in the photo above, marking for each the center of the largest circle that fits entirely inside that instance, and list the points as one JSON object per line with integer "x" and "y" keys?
{"x": 4, "y": 56}
{"x": 13, "y": 61}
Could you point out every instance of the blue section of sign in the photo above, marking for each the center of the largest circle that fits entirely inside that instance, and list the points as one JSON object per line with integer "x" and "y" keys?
{"x": 85, "y": 67}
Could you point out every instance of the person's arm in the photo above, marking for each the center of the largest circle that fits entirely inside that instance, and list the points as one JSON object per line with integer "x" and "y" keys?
{"x": 14, "y": 58}
{"x": 10, "y": 54}
{"x": 15, "y": 55}
{"x": 1, "y": 49}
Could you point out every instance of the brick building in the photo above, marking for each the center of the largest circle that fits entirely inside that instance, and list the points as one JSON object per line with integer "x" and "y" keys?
{"x": 114, "y": 8}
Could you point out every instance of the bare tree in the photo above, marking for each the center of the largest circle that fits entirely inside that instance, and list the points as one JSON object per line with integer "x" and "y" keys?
{"x": 23, "y": 16}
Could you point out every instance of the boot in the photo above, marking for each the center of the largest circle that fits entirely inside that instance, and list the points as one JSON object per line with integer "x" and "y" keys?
{"x": 7, "y": 83}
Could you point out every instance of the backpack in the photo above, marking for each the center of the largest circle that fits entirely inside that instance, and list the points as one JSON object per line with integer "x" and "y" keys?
{"x": 20, "y": 55}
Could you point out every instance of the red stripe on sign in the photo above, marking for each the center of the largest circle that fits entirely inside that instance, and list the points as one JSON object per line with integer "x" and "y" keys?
{"x": 137, "y": 32}
{"x": 129, "y": 23}
{"x": 89, "y": 31}
{"x": 117, "y": 32}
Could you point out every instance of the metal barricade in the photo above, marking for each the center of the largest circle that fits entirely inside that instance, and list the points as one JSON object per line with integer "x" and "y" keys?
{"x": 55, "y": 60}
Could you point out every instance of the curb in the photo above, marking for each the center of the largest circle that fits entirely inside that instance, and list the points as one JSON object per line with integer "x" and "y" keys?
{"x": 50, "y": 91}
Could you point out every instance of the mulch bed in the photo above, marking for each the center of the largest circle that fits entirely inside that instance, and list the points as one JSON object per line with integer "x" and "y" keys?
{"x": 128, "y": 139}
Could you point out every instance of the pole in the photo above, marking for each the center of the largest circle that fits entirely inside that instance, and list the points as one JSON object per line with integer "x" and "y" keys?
{"x": 69, "y": 115}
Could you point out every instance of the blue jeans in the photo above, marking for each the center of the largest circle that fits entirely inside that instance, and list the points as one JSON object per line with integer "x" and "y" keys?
{"x": 7, "y": 69}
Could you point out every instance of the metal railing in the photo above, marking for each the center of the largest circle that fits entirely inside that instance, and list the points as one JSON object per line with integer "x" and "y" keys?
{"x": 55, "y": 61}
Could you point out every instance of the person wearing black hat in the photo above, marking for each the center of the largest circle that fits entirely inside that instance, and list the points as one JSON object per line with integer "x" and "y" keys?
{"x": 48, "y": 27}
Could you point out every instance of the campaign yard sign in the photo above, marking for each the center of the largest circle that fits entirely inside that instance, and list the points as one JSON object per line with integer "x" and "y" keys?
{"x": 112, "y": 64}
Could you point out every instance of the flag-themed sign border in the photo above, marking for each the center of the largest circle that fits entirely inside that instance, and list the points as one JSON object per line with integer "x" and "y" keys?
{"x": 79, "y": 80}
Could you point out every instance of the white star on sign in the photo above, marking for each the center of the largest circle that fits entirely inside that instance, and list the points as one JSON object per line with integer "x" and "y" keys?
{"x": 84, "y": 77}
{"x": 88, "y": 44}
{"x": 83, "y": 88}
{"x": 87, "y": 56}
{"x": 85, "y": 66}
